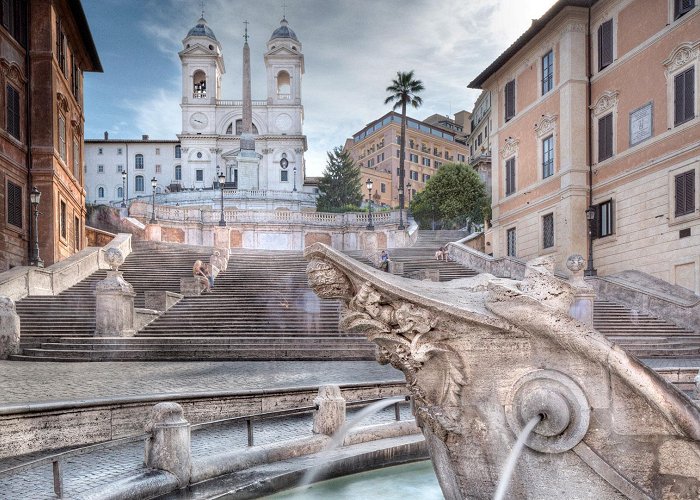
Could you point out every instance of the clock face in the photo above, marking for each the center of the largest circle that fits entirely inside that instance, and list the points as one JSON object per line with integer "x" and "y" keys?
{"x": 199, "y": 120}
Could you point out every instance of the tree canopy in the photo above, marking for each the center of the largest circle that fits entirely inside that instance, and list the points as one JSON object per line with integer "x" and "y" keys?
{"x": 340, "y": 185}
{"x": 452, "y": 197}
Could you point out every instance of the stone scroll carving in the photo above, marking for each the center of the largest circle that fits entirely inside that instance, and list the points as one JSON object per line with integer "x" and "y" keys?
{"x": 483, "y": 356}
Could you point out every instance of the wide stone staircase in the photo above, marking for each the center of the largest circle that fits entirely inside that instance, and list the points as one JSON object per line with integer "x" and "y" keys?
{"x": 421, "y": 256}
{"x": 643, "y": 335}
{"x": 261, "y": 308}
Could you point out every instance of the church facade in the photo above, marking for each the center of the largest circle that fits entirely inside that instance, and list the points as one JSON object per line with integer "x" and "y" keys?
{"x": 216, "y": 132}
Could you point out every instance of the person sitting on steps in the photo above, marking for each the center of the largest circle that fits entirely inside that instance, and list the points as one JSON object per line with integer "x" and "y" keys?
{"x": 441, "y": 254}
{"x": 200, "y": 272}
{"x": 384, "y": 261}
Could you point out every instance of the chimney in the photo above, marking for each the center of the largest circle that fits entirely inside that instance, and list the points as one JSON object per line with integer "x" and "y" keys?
{"x": 144, "y": 137}
{"x": 106, "y": 135}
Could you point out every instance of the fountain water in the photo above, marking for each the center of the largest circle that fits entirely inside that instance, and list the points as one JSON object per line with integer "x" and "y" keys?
{"x": 509, "y": 466}
{"x": 339, "y": 436}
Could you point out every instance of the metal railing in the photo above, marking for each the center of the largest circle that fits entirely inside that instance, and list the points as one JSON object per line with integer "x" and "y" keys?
{"x": 58, "y": 459}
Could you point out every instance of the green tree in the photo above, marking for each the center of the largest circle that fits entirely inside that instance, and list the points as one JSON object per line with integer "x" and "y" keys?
{"x": 403, "y": 91}
{"x": 340, "y": 185}
{"x": 452, "y": 197}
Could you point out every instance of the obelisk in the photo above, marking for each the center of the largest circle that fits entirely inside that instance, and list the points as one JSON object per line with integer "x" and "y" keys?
{"x": 248, "y": 161}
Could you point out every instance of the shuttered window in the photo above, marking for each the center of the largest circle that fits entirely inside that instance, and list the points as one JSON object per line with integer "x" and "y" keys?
{"x": 548, "y": 231}
{"x": 13, "y": 114}
{"x": 547, "y": 72}
{"x": 63, "y": 221}
{"x": 510, "y": 100}
{"x": 684, "y": 96}
{"x": 510, "y": 176}
{"x": 605, "y": 44}
{"x": 604, "y": 219}
{"x": 510, "y": 239}
{"x": 682, "y": 7}
{"x": 685, "y": 193}
{"x": 605, "y": 137}
{"x": 14, "y": 204}
{"x": 548, "y": 157}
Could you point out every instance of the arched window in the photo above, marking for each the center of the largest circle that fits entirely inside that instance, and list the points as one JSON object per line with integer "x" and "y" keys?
{"x": 229, "y": 130}
{"x": 178, "y": 172}
{"x": 139, "y": 162}
{"x": 178, "y": 151}
{"x": 239, "y": 127}
{"x": 100, "y": 192}
{"x": 284, "y": 85}
{"x": 199, "y": 84}
{"x": 120, "y": 192}
{"x": 139, "y": 184}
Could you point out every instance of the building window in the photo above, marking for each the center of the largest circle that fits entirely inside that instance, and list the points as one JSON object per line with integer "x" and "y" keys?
{"x": 75, "y": 81}
{"x": 120, "y": 168}
{"x": 426, "y": 162}
{"x": 682, "y": 7}
{"x": 62, "y": 136}
{"x": 63, "y": 221}
{"x": 284, "y": 176}
{"x": 199, "y": 175}
{"x": 100, "y": 192}
{"x": 158, "y": 169}
{"x": 548, "y": 231}
{"x": 13, "y": 112}
{"x": 60, "y": 47}
{"x": 605, "y": 137}
{"x": 120, "y": 192}
{"x": 76, "y": 233}
{"x": 239, "y": 127}
{"x": 138, "y": 163}
{"x": 119, "y": 151}
{"x": 426, "y": 177}
{"x": 76, "y": 159}
{"x": 382, "y": 187}
{"x": 178, "y": 151}
{"x": 510, "y": 242}
{"x": 510, "y": 100}
{"x": 460, "y": 158}
{"x": 138, "y": 184}
{"x": 100, "y": 169}
{"x": 99, "y": 151}
{"x": 685, "y": 193}
{"x": 684, "y": 100}
{"x": 547, "y": 72}
{"x": 413, "y": 158}
{"x": 510, "y": 176}
{"x": 548, "y": 157}
{"x": 14, "y": 19}
{"x": 157, "y": 151}
{"x": 604, "y": 219}
{"x": 380, "y": 157}
{"x": 605, "y": 44}
{"x": 178, "y": 172}
{"x": 14, "y": 204}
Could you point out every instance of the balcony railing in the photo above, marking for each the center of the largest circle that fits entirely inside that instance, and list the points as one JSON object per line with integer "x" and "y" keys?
{"x": 227, "y": 102}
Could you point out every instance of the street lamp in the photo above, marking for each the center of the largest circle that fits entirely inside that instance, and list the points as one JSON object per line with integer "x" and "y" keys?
{"x": 222, "y": 180}
{"x": 154, "y": 183}
{"x": 408, "y": 209}
{"x": 590, "y": 217}
{"x": 294, "y": 171}
{"x": 401, "y": 226}
{"x": 124, "y": 189}
{"x": 370, "y": 226}
{"x": 34, "y": 198}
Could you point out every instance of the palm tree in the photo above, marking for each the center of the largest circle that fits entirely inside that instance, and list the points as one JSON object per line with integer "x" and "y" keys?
{"x": 403, "y": 90}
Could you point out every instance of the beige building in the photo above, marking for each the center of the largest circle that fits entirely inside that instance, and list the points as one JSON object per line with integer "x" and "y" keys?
{"x": 624, "y": 140}
{"x": 375, "y": 148}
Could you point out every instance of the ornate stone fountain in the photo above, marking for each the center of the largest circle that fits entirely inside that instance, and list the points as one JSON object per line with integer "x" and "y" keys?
{"x": 484, "y": 355}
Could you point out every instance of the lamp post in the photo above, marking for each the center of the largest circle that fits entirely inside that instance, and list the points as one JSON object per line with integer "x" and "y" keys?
{"x": 408, "y": 209}
{"x": 590, "y": 217}
{"x": 154, "y": 183}
{"x": 370, "y": 226}
{"x": 124, "y": 189}
{"x": 35, "y": 198}
{"x": 401, "y": 226}
{"x": 222, "y": 180}
{"x": 294, "y": 172}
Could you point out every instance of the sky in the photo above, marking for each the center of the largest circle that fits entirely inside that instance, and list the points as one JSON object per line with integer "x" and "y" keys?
{"x": 352, "y": 50}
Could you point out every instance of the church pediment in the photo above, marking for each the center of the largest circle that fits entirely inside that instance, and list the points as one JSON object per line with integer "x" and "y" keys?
{"x": 282, "y": 51}
{"x": 197, "y": 50}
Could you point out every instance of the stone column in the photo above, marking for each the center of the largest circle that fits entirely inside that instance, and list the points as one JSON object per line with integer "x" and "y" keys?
{"x": 9, "y": 328}
{"x": 114, "y": 307}
{"x": 168, "y": 448}
{"x": 330, "y": 415}
{"x": 584, "y": 295}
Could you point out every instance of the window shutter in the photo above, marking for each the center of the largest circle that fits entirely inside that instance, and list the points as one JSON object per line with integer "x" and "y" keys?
{"x": 510, "y": 99}
{"x": 14, "y": 204}
{"x": 595, "y": 223}
{"x": 690, "y": 192}
{"x": 679, "y": 95}
{"x": 605, "y": 44}
{"x": 689, "y": 94}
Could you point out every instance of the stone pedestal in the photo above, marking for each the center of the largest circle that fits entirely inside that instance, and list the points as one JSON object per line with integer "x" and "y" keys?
{"x": 395, "y": 267}
{"x": 114, "y": 308}
{"x": 153, "y": 232}
{"x": 9, "y": 328}
{"x": 160, "y": 300}
{"x": 330, "y": 416}
{"x": 191, "y": 287}
{"x": 168, "y": 448}
{"x": 582, "y": 306}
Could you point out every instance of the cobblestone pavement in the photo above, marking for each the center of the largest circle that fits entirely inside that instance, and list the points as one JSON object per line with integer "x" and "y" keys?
{"x": 88, "y": 471}
{"x": 32, "y": 382}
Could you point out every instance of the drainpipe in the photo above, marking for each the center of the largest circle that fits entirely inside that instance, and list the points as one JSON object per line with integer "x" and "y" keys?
{"x": 590, "y": 270}
{"x": 128, "y": 171}
{"x": 28, "y": 131}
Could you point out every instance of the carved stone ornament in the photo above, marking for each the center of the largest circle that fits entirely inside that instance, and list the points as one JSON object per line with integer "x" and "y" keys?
{"x": 62, "y": 102}
{"x": 114, "y": 258}
{"x": 606, "y": 101}
{"x": 12, "y": 71}
{"x": 546, "y": 125}
{"x": 575, "y": 263}
{"x": 682, "y": 55}
{"x": 510, "y": 148}
{"x": 298, "y": 151}
{"x": 267, "y": 151}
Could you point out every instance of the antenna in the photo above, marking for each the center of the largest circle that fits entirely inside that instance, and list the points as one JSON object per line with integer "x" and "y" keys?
{"x": 245, "y": 36}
